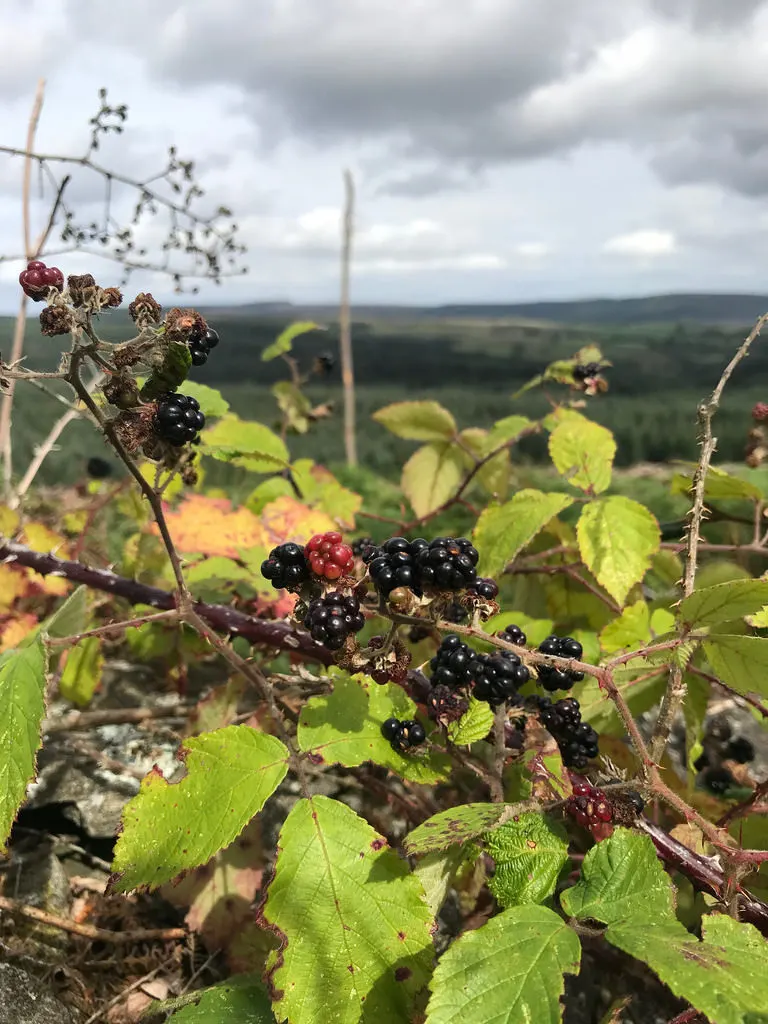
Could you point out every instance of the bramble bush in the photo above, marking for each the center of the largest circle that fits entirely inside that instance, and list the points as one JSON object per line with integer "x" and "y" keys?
{"x": 484, "y": 695}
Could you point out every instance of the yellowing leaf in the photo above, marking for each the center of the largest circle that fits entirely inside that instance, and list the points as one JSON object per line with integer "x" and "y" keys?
{"x": 418, "y": 421}
{"x": 250, "y": 445}
{"x": 583, "y": 453}
{"x": 431, "y": 476}
{"x": 502, "y": 531}
{"x": 211, "y": 527}
{"x": 13, "y": 585}
{"x": 16, "y": 629}
{"x": 82, "y": 671}
{"x": 617, "y": 537}
{"x": 287, "y": 518}
{"x": 631, "y": 629}
{"x": 284, "y": 341}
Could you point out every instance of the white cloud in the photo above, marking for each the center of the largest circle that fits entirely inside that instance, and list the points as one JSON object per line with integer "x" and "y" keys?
{"x": 532, "y": 250}
{"x": 642, "y": 243}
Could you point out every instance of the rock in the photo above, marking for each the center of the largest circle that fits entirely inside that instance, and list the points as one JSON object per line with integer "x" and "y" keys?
{"x": 25, "y": 1000}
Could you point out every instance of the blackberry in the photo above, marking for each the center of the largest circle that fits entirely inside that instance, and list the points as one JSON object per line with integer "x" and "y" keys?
{"x": 576, "y": 740}
{"x": 403, "y": 735}
{"x": 500, "y": 677}
{"x": 178, "y": 419}
{"x": 98, "y": 468}
{"x": 200, "y": 344}
{"x": 484, "y": 588}
{"x": 446, "y": 563}
{"x": 393, "y": 564}
{"x": 329, "y": 556}
{"x": 636, "y": 801}
{"x": 361, "y": 545}
{"x": 740, "y": 749}
{"x": 718, "y": 780}
{"x": 513, "y": 635}
{"x": 286, "y": 568}
{"x": 454, "y": 663}
{"x": 584, "y": 371}
{"x": 552, "y": 678}
{"x": 332, "y": 618}
{"x": 589, "y": 805}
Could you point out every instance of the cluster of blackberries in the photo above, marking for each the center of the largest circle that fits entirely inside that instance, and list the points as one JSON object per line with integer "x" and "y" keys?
{"x": 286, "y": 568}
{"x": 403, "y": 735}
{"x": 178, "y": 419}
{"x": 552, "y": 678}
{"x": 577, "y": 740}
{"x": 445, "y": 563}
{"x": 37, "y": 279}
{"x": 361, "y": 545}
{"x": 487, "y": 590}
{"x": 495, "y": 678}
{"x": 513, "y": 635}
{"x": 332, "y": 618}
{"x": 584, "y": 371}
{"x": 589, "y": 805}
{"x": 721, "y": 745}
{"x": 200, "y": 344}
{"x": 329, "y": 556}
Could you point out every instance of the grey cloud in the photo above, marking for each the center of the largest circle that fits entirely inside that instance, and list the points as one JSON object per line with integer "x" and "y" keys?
{"x": 423, "y": 183}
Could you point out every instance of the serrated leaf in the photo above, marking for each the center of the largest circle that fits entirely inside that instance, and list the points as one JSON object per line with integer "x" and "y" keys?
{"x": 494, "y": 474}
{"x": 240, "y": 1000}
{"x": 82, "y": 671}
{"x": 212, "y": 403}
{"x": 719, "y": 486}
{"x": 724, "y": 602}
{"x": 71, "y": 617}
{"x": 176, "y": 364}
{"x": 510, "y": 971}
{"x": 740, "y": 661}
{"x": 506, "y": 431}
{"x": 623, "y": 885}
{"x": 529, "y": 853}
{"x": 294, "y": 405}
{"x": 437, "y": 871}
{"x": 168, "y": 828}
{"x": 617, "y": 537}
{"x": 458, "y": 825}
{"x": 474, "y": 724}
{"x": 583, "y": 452}
{"x": 629, "y": 630}
{"x": 431, "y": 476}
{"x": 22, "y": 707}
{"x": 344, "y": 727}
{"x": 284, "y": 341}
{"x": 418, "y": 421}
{"x": 248, "y": 444}
{"x": 502, "y": 531}
{"x": 355, "y": 927}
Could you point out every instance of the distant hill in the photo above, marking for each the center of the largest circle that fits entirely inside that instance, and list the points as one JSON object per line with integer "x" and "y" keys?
{"x": 652, "y": 309}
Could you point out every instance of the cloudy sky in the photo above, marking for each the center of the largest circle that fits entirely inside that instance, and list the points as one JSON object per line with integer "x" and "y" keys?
{"x": 503, "y": 149}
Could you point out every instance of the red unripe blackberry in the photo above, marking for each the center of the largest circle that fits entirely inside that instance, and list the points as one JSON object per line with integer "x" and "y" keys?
{"x": 760, "y": 412}
{"x": 329, "y": 557}
{"x": 37, "y": 280}
{"x": 589, "y": 806}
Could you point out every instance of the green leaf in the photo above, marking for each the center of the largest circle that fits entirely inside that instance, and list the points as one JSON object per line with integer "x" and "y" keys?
{"x": 248, "y": 444}
{"x": 599, "y": 710}
{"x": 719, "y": 486}
{"x": 354, "y": 923}
{"x": 431, "y": 476}
{"x": 623, "y": 885}
{"x": 529, "y": 853}
{"x": 286, "y": 338}
{"x": 344, "y": 727}
{"x": 294, "y": 405}
{"x": 493, "y": 475}
{"x": 82, "y": 671}
{"x": 740, "y": 661}
{"x": 418, "y": 421}
{"x": 506, "y": 431}
{"x": 70, "y": 618}
{"x": 212, "y": 404}
{"x": 510, "y": 971}
{"x": 240, "y": 1000}
{"x": 176, "y": 364}
{"x": 631, "y": 629}
{"x": 502, "y": 531}
{"x": 459, "y": 825}
{"x": 474, "y": 724}
{"x": 22, "y": 706}
{"x": 437, "y": 871}
{"x": 583, "y": 453}
{"x": 617, "y": 537}
{"x": 168, "y": 828}
{"x": 724, "y": 602}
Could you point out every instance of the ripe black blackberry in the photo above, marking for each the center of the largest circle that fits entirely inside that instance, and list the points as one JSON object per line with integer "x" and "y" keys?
{"x": 361, "y": 546}
{"x": 200, "y": 344}
{"x": 454, "y": 663}
{"x": 287, "y": 567}
{"x": 178, "y": 419}
{"x": 332, "y": 618}
{"x": 486, "y": 589}
{"x": 718, "y": 780}
{"x": 552, "y": 678}
{"x": 513, "y": 635}
{"x": 585, "y": 370}
{"x": 499, "y": 678}
{"x": 392, "y": 565}
{"x": 98, "y": 468}
{"x": 576, "y": 739}
{"x": 403, "y": 735}
{"x": 446, "y": 563}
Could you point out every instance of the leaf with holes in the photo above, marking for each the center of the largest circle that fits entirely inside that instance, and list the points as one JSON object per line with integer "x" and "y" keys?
{"x": 529, "y": 852}
{"x": 417, "y": 421}
{"x": 168, "y": 828}
{"x": 22, "y": 706}
{"x": 344, "y": 727}
{"x": 432, "y": 475}
{"x": 624, "y": 886}
{"x": 583, "y": 452}
{"x": 502, "y": 531}
{"x": 617, "y": 537}
{"x": 510, "y": 971}
{"x": 355, "y": 927}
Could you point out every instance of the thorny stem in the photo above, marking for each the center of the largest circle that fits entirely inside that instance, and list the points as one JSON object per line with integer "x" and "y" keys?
{"x": 499, "y": 755}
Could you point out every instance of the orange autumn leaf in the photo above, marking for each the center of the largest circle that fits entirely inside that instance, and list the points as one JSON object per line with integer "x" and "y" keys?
{"x": 41, "y": 538}
{"x": 211, "y": 526}
{"x": 13, "y": 585}
{"x": 289, "y": 519}
{"x": 14, "y": 631}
